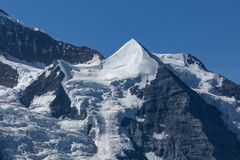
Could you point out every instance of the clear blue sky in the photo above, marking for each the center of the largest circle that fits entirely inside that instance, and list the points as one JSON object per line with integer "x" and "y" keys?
{"x": 208, "y": 29}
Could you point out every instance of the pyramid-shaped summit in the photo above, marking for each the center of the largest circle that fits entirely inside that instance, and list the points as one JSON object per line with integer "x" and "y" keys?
{"x": 132, "y": 59}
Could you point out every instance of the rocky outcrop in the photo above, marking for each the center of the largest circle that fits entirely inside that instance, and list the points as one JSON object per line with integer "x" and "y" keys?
{"x": 191, "y": 60}
{"x": 50, "y": 81}
{"x": 229, "y": 88}
{"x": 33, "y": 45}
{"x": 8, "y": 76}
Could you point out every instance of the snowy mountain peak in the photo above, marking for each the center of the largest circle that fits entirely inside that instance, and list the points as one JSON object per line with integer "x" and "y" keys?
{"x": 132, "y": 60}
{"x": 130, "y": 47}
{"x": 132, "y": 41}
{"x": 131, "y": 51}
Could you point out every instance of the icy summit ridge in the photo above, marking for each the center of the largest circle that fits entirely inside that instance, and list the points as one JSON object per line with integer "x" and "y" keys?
{"x": 132, "y": 49}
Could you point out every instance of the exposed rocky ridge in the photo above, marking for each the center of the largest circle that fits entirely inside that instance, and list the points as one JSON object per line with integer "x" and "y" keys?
{"x": 50, "y": 81}
{"x": 3, "y": 12}
{"x": 36, "y": 46}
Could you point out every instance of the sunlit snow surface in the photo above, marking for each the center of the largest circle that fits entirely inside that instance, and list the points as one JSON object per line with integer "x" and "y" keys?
{"x": 100, "y": 88}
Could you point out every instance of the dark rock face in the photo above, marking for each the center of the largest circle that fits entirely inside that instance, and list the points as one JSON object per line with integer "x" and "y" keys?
{"x": 190, "y": 129}
{"x": 190, "y": 59}
{"x": 3, "y": 12}
{"x": 35, "y": 46}
{"x": 61, "y": 105}
{"x": 9, "y": 76}
{"x": 229, "y": 89}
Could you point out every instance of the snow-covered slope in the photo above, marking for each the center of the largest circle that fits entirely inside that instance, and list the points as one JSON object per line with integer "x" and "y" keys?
{"x": 27, "y": 135}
